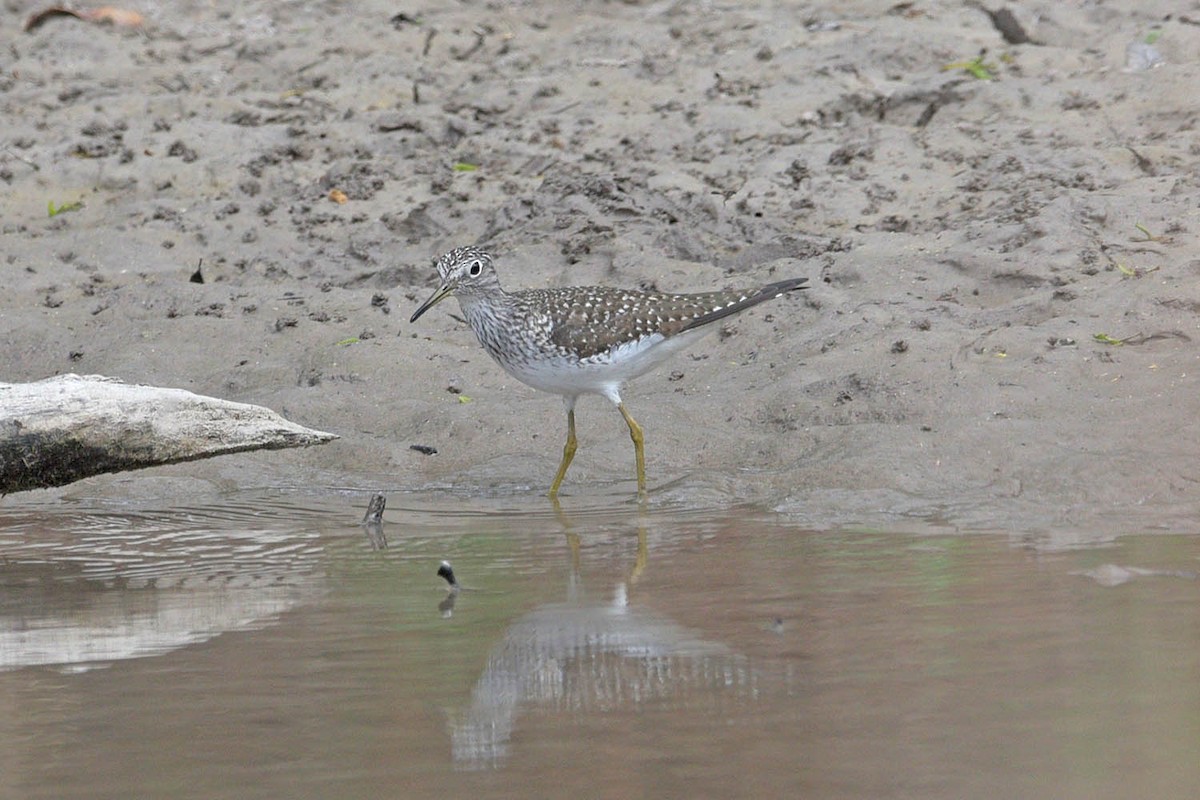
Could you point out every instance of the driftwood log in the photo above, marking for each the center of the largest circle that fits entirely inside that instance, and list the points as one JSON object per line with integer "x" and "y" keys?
{"x": 69, "y": 427}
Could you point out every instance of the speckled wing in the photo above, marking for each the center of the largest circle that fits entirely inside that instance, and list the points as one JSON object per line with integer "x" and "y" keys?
{"x": 589, "y": 321}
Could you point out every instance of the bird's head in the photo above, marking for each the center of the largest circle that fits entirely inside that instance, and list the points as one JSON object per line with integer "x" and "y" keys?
{"x": 463, "y": 271}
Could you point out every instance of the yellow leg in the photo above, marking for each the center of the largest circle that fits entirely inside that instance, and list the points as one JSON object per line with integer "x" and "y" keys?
{"x": 568, "y": 454}
{"x": 643, "y": 555}
{"x": 572, "y": 536}
{"x": 635, "y": 433}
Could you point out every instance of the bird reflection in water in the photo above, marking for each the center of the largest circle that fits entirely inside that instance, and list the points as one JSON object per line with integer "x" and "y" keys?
{"x": 583, "y": 656}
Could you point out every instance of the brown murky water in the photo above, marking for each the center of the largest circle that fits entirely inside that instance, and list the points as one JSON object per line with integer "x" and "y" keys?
{"x": 269, "y": 647}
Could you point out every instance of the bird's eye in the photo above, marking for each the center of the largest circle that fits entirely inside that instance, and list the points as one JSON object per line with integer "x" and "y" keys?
{"x": 476, "y": 268}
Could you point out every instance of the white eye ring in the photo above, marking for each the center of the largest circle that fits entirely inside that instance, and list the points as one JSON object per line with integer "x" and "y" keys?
{"x": 475, "y": 268}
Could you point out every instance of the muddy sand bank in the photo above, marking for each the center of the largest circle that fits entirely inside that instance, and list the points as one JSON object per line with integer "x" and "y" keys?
{"x": 1000, "y": 334}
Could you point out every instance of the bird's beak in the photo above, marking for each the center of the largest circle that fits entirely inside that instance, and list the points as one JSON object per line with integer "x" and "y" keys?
{"x": 443, "y": 291}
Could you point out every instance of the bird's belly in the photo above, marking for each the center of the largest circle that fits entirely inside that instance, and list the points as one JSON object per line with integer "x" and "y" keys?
{"x": 564, "y": 376}
{"x": 600, "y": 374}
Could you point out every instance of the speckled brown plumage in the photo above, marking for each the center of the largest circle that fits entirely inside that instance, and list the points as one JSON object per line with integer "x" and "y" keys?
{"x": 591, "y": 320}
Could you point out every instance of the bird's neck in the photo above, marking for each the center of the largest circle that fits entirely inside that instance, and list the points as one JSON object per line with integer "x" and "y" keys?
{"x": 490, "y": 316}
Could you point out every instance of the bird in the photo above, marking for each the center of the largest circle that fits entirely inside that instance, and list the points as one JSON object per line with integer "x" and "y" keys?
{"x": 579, "y": 340}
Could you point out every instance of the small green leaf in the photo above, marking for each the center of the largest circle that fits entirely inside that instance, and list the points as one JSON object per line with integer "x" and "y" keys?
{"x": 976, "y": 67}
{"x": 462, "y": 398}
{"x": 1150, "y": 237}
{"x": 1135, "y": 272}
{"x": 348, "y": 342}
{"x": 464, "y": 166}
{"x": 1152, "y": 36}
{"x": 1104, "y": 338}
{"x": 71, "y": 205}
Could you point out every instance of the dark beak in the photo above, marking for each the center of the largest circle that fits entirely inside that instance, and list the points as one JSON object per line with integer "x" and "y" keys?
{"x": 441, "y": 294}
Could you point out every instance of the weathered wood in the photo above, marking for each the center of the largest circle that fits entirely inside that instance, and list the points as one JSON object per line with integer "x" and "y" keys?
{"x": 69, "y": 427}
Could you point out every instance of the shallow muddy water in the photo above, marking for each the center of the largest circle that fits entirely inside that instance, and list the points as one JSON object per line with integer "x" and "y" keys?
{"x": 268, "y": 646}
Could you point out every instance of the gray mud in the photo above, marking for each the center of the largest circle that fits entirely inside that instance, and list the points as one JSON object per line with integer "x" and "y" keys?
{"x": 966, "y": 241}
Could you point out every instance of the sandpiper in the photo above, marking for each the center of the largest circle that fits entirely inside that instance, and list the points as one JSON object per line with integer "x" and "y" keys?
{"x": 584, "y": 339}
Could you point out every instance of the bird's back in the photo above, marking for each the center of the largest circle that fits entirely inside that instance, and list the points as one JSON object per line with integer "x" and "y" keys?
{"x": 584, "y": 339}
{"x": 587, "y": 321}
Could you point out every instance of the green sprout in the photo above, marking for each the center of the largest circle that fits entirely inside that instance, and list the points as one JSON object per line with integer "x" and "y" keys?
{"x": 71, "y": 205}
{"x": 465, "y": 166}
{"x": 1150, "y": 237}
{"x": 348, "y": 342}
{"x": 976, "y": 68}
{"x": 1135, "y": 272}
{"x": 1104, "y": 338}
